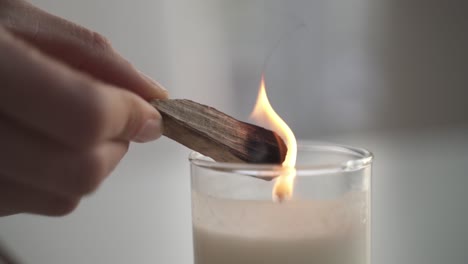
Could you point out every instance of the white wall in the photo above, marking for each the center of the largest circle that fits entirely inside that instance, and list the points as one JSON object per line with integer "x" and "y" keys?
{"x": 342, "y": 66}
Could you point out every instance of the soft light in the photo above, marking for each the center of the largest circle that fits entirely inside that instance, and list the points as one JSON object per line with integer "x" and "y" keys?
{"x": 264, "y": 115}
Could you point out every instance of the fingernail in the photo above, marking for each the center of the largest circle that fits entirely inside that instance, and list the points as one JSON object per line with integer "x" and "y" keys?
{"x": 150, "y": 131}
{"x": 154, "y": 83}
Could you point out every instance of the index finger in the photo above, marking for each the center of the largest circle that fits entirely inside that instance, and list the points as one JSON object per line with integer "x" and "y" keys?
{"x": 80, "y": 48}
{"x": 47, "y": 96}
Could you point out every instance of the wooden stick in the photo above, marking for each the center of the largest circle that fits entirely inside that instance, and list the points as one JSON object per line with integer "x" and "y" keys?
{"x": 217, "y": 135}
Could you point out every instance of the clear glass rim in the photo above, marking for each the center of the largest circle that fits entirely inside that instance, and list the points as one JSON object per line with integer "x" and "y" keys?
{"x": 363, "y": 159}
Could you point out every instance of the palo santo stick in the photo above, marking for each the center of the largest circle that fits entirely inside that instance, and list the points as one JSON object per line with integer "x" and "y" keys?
{"x": 217, "y": 135}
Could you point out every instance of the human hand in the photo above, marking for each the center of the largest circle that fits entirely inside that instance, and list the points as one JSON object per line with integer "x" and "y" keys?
{"x": 69, "y": 106}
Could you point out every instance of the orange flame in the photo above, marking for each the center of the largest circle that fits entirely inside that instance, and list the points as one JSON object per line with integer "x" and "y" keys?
{"x": 264, "y": 115}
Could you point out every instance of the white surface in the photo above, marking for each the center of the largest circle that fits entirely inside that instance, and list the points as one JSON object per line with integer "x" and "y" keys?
{"x": 141, "y": 215}
{"x": 420, "y": 184}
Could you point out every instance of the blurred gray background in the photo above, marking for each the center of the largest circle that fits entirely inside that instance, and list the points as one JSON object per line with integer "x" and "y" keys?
{"x": 388, "y": 75}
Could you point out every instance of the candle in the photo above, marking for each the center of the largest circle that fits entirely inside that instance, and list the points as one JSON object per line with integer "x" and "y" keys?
{"x": 240, "y": 219}
{"x": 294, "y": 232}
{"x": 326, "y": 221}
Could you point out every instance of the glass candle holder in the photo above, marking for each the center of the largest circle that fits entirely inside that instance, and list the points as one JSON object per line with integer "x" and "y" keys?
{"x": 327, "y": 220}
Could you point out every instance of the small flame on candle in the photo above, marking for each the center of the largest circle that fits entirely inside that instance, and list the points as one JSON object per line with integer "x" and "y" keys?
{"x": 265, "y": 115}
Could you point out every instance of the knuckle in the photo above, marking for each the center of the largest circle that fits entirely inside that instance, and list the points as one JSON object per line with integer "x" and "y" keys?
{"x": 134, "y": 118}
{"x": 126, "y": 147}
{"x": 89, "y": 122}
{"x": 99, "y": 42}
{"x": 62, "y": 206}
{"x": 91, "y": 173}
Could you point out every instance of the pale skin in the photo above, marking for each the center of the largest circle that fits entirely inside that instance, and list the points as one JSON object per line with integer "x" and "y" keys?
{"x": 69, "y": 107}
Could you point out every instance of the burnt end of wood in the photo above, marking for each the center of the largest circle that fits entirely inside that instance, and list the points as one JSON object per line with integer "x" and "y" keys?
{"x": 263, "y": 144}
{"x": 217, "y": 135}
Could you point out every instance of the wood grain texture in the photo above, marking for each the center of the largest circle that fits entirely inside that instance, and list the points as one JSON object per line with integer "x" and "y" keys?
{"x": 217, "y": 135}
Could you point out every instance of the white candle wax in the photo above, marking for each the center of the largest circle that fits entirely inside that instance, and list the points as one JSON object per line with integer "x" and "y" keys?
{"x": 295, "y": 232}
